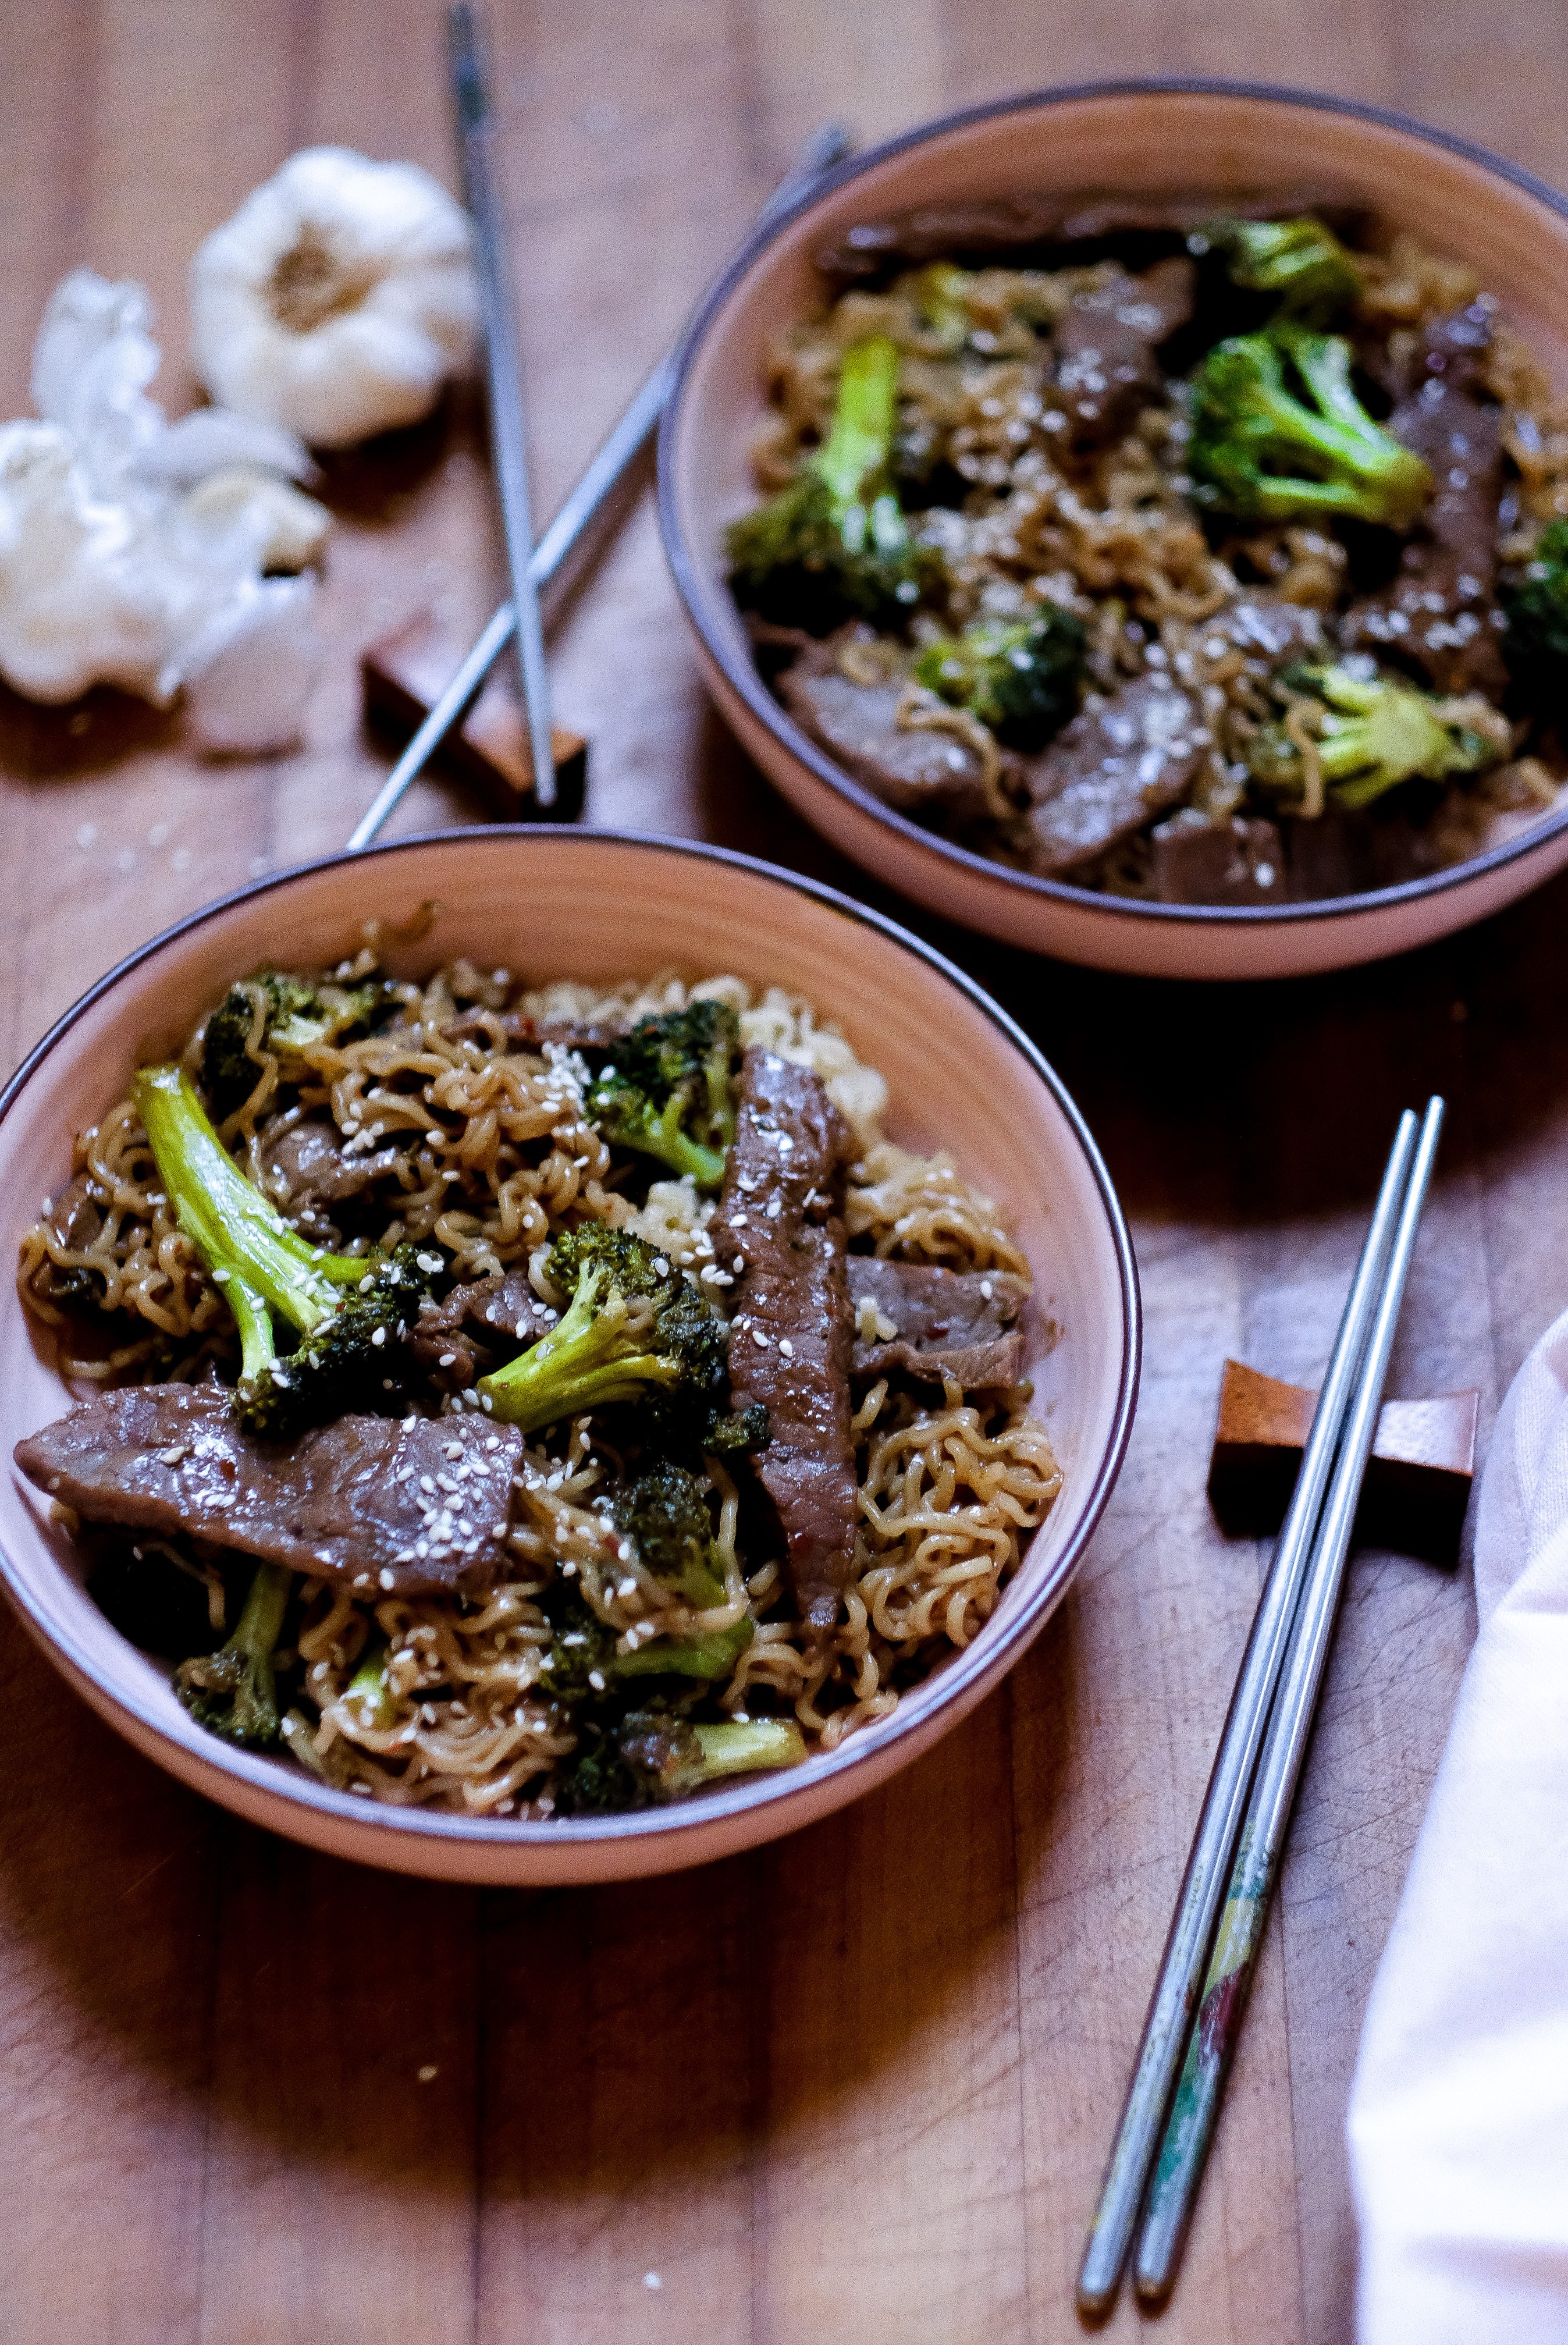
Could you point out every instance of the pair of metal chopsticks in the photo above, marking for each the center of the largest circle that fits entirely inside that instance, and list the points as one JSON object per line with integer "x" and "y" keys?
{"x": 507, "y": 429}
{"x": 827, "y": 144}
{"x": 1195, "y": 2015}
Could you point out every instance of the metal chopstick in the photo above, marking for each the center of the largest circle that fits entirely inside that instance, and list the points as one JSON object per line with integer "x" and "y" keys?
{"x": 1214, "y": 1842}
{"x": 1215, "y": 2031}
{"x": 826, "y": 144}
{"x": 508, "y": 425}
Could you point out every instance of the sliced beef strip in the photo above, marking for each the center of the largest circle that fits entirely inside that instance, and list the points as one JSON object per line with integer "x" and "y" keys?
{"x": 1119, "y": 762}
{"x": 781, "y": 1218}
{"x": 344, "y": 1500}
{"x": 1105, "y": 368}
{"x": 1440, "y": 613}
{"x": 1348, "y": 850}
{"x": 912, "y": 770}
{"x": 1036, "y": 226}
{"x": 522, "y": 1033}
{"x": 949, "y": 1323}
{"x": 500, "y": 1316}
{"x": 307, "y": 1164}
{"x": 1197, "y": 861}
{"x": 1266, "y": 628}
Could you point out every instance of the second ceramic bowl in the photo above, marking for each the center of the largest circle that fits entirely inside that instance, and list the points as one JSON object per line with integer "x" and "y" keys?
{"x": 1138, "y": 139}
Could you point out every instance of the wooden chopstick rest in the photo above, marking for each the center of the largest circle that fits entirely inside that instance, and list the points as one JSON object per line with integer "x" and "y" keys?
{"x": 1418, "y": 1477}
{"x": 404, "y": 675}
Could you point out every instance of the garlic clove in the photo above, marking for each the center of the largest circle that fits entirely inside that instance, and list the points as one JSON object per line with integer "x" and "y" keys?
{"x": 284, "y": 530}
{"x": 212, "y": 438}
{"x": 337, "y": 299}
{"x": 79, "y": 601}
{"x": 248, "y": 674}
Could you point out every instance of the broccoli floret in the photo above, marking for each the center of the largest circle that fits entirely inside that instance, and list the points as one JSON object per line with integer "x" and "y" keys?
{"x": 1024, "y": 678}
{"x": 352, "y": 1359}
{"x": 635, "y": 1330}
{"x": 1372, "y": 733}
{"x": 295, "y": 1014}
{"x": 667, "y": 1092}
{"x": 653, "y": 1756}
{"x": 266, "y": 1271}
{"x": 1300, "y": 260}
{"x": 1260, "y": 453}
{"x": 1536, "y": 643}
{"x": 233, "y": 1692}
{"x": 664, "y": 1514}
{"x": 834, "y": 544}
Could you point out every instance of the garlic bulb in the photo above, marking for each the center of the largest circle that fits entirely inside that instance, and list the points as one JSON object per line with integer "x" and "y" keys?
{"x": 337, "y": 299}
{"x": 131, "y": 550}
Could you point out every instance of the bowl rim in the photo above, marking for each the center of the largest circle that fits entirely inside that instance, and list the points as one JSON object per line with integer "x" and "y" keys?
{"x": 741, "y": 677}
{"x": 986, "y": 1659}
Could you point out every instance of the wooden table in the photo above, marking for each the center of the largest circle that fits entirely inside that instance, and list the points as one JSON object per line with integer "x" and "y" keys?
{"x": 859, "y": 2086}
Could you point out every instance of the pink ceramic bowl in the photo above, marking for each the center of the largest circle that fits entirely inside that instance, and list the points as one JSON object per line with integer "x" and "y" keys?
{"x": 1138, "y": 139}
{"x": 596, "y": 905}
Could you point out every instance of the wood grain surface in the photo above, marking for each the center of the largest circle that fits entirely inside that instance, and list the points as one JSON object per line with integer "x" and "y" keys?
{"x": 857, "y": 2087}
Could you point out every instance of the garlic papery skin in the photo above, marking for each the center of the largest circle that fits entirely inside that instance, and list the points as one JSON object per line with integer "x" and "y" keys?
{"x": 337, "y": 299}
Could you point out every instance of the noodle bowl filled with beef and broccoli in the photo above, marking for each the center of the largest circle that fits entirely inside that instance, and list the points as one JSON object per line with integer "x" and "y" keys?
{"x": 531, "y": 1400}
{"x": 1139, "y": 571}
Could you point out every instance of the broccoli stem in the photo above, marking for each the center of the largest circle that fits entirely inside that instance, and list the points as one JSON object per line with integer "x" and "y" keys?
{"x": 737, "y": 1749}
{"x": 368, "y": 1687}
{"x": 244, "y": 1240}
{"x": 234, "y": 1691}
{"x": 862, "y": 419}
{"x": 711, "y": 1655}
{"x": 260, "y": 1622}
{"x": 677, "y": 1149}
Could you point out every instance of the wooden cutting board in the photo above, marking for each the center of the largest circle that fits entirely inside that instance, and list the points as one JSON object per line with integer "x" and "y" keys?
{"x": 855, "y": 2089}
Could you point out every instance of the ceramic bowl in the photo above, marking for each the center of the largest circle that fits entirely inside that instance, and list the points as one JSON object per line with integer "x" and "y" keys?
{"x": 1140, "y": 138}
{"x": 595, "y": 907}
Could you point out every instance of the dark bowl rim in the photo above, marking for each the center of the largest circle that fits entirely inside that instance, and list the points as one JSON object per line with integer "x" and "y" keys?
{"x": 988, "y": 1659}
{"x": 741, "y": 677}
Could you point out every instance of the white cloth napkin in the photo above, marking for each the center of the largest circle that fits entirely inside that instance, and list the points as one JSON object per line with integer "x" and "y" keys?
{"x": 1459, "y": 2110}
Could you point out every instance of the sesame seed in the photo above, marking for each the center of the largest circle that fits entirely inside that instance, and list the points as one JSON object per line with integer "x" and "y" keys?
{"x": 786, "y": 1347}
{"x": 596, "y": 1680}
{"x": 759, "y": 1338}
{"x": 385, "y": 1576}
{"x": 378, "y": 1335}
